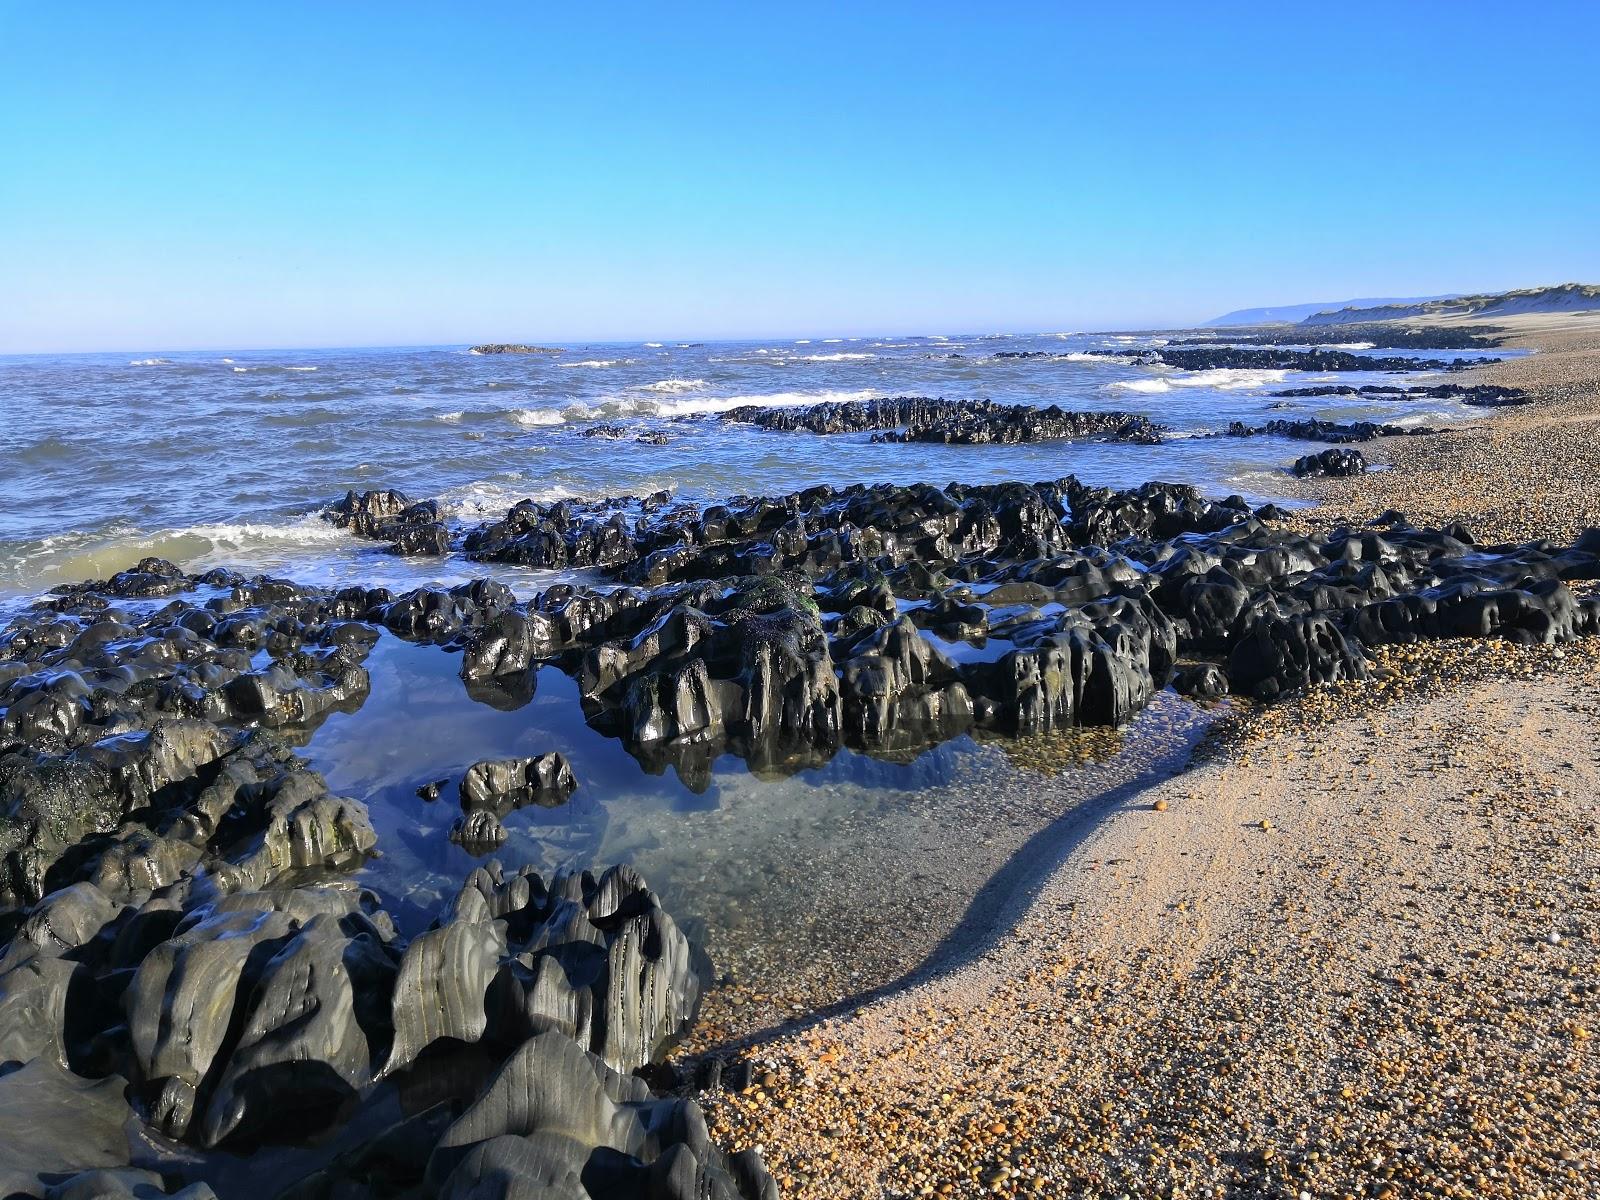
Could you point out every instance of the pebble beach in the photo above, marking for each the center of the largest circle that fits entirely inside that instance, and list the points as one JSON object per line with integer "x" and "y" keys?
{"x": 1350, "y": 952}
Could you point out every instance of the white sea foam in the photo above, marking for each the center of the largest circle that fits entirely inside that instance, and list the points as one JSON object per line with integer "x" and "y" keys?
{"x": 832, "y": 341}
{"x": 802, "y": 341}
{"x": 653, "y": 345}
{"x": 1091, "y": 356}
{"x": 307, "y": 530}
{"x": 673, "y": 386}
{"x": 151, "y": 362}
{"x": 537, "y": 416}
{"x": 268, "y": 367}
{"x": 595, "y": 362}
{"x": 716, "y": 404}
{"x": 449, "y": 418}
{"x": 613, "y": 408}
{"x": 1222, "y": 379}
{"x": 1350, "y": 346}
{"x": 841, "y": 356}
{"x": 491, "y": 498}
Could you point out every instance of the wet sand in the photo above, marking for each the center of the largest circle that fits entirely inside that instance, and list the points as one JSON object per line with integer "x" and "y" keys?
{"x": 1353, "y": 951}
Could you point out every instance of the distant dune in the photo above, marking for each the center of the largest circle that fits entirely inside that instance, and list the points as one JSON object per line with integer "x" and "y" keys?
{"x": 1283, "y": 314}
{"x": 1560, "y": 298}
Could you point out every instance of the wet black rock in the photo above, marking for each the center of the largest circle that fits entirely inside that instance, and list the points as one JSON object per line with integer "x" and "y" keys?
{"x": 1388, "y": 335}
{"x": 613, "y": 432}
{"x": 513, "y": 348}
{"x": 1276, "y": 654}
{"x": 1331, "y": 462}
{"x": 277, "y": 1016}
{"x": 551, "y": 1120}
{"x": 388, "y": 516}
{"x": 503, "y": 784}
{"x": 1481, "y": 395}
{"x": 954, "y": 422}
{"x": 1265, "y": 358}
{"x": 1203, "y": 681}
{"x": 1335, "y": 432}
{"x": 557, "y": 535}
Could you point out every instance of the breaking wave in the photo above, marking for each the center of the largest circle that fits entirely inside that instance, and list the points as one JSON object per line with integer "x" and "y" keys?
{"x": 674, "y": 385}
{"x": 1222, "y": 379}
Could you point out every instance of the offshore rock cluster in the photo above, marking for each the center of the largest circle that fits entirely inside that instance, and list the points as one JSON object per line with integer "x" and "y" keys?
{"x": 959, "y": 422}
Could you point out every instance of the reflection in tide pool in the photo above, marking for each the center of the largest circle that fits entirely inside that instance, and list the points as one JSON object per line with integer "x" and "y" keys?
{"x": 803, "y": 890}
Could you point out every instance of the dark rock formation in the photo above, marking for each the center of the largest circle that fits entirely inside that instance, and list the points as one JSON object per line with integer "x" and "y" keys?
{"x": 1481, "y": 395}
{"x": 1207, "y": 358}
{"x": 508, "y": 783}
{"x": 179, "y": 951}
{"x": 956, "y": 422}
{"x": 514, "y": 348}
{"x": 411, "y": 529}
{"x": 614, "y": 433}
{"x": 1324, "y": 431}
{"x": 547, "y": 1120}
{"x": 1331, "y": 462}
{"x": 1389, "y": 335}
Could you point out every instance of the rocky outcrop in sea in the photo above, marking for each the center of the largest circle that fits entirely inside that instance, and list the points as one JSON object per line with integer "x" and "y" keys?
{"x": 1481, "y": 395}
{"x": 1275, "y": 358}
{"x": 958, "y": 422}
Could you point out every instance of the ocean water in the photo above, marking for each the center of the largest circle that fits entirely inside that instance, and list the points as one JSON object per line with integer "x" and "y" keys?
{"x": 807, "y": 889}
{"x": 226, "y": 459}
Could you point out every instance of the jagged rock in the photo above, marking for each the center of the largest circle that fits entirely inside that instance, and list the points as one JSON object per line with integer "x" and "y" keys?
{"x": 33, "y": 1010}
{"x": 1203, "y": 681}
{"x": 1331, "y": 462}
{"x": 180, "y": 1007}
{"x": 1276, "y": 654}
{"x": 478, "y": 832}
{"x": 303, "y": 1055}
{"x": 1325, "y": 431}
{"x": 500, "y": 785}
{"x": 965, "y": 422}
{"x": 1482, "y": 395}
{"x": 1391, "y": 335}
{"x": 442, "y": 988}
{"x": 537, "y": 1125}
{"x": 57, "y": 1124}
{"x": 1274, "y": 358}
{"x": 899, "y": 689}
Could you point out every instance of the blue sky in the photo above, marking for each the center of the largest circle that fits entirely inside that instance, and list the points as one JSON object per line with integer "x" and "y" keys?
{"x": 281, "y": 174}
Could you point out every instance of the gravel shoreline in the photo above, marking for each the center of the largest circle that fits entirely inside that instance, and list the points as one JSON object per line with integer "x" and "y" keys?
{"x": 1353, "y": 951}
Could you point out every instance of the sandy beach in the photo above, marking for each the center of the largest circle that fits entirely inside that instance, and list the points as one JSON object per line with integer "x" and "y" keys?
{"x": 1352, "y": 951}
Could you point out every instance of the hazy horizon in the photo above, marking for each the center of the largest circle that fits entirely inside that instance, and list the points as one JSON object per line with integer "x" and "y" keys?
{"x": 303, "y": 177}
{"x": 954, "y": 332}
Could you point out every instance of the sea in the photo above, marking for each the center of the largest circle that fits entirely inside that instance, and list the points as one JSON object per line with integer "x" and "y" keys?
{"x": 809, "y": 888}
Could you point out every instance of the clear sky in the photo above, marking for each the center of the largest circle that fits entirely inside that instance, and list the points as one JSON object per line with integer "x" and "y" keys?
{"x": 280, "y": 174}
